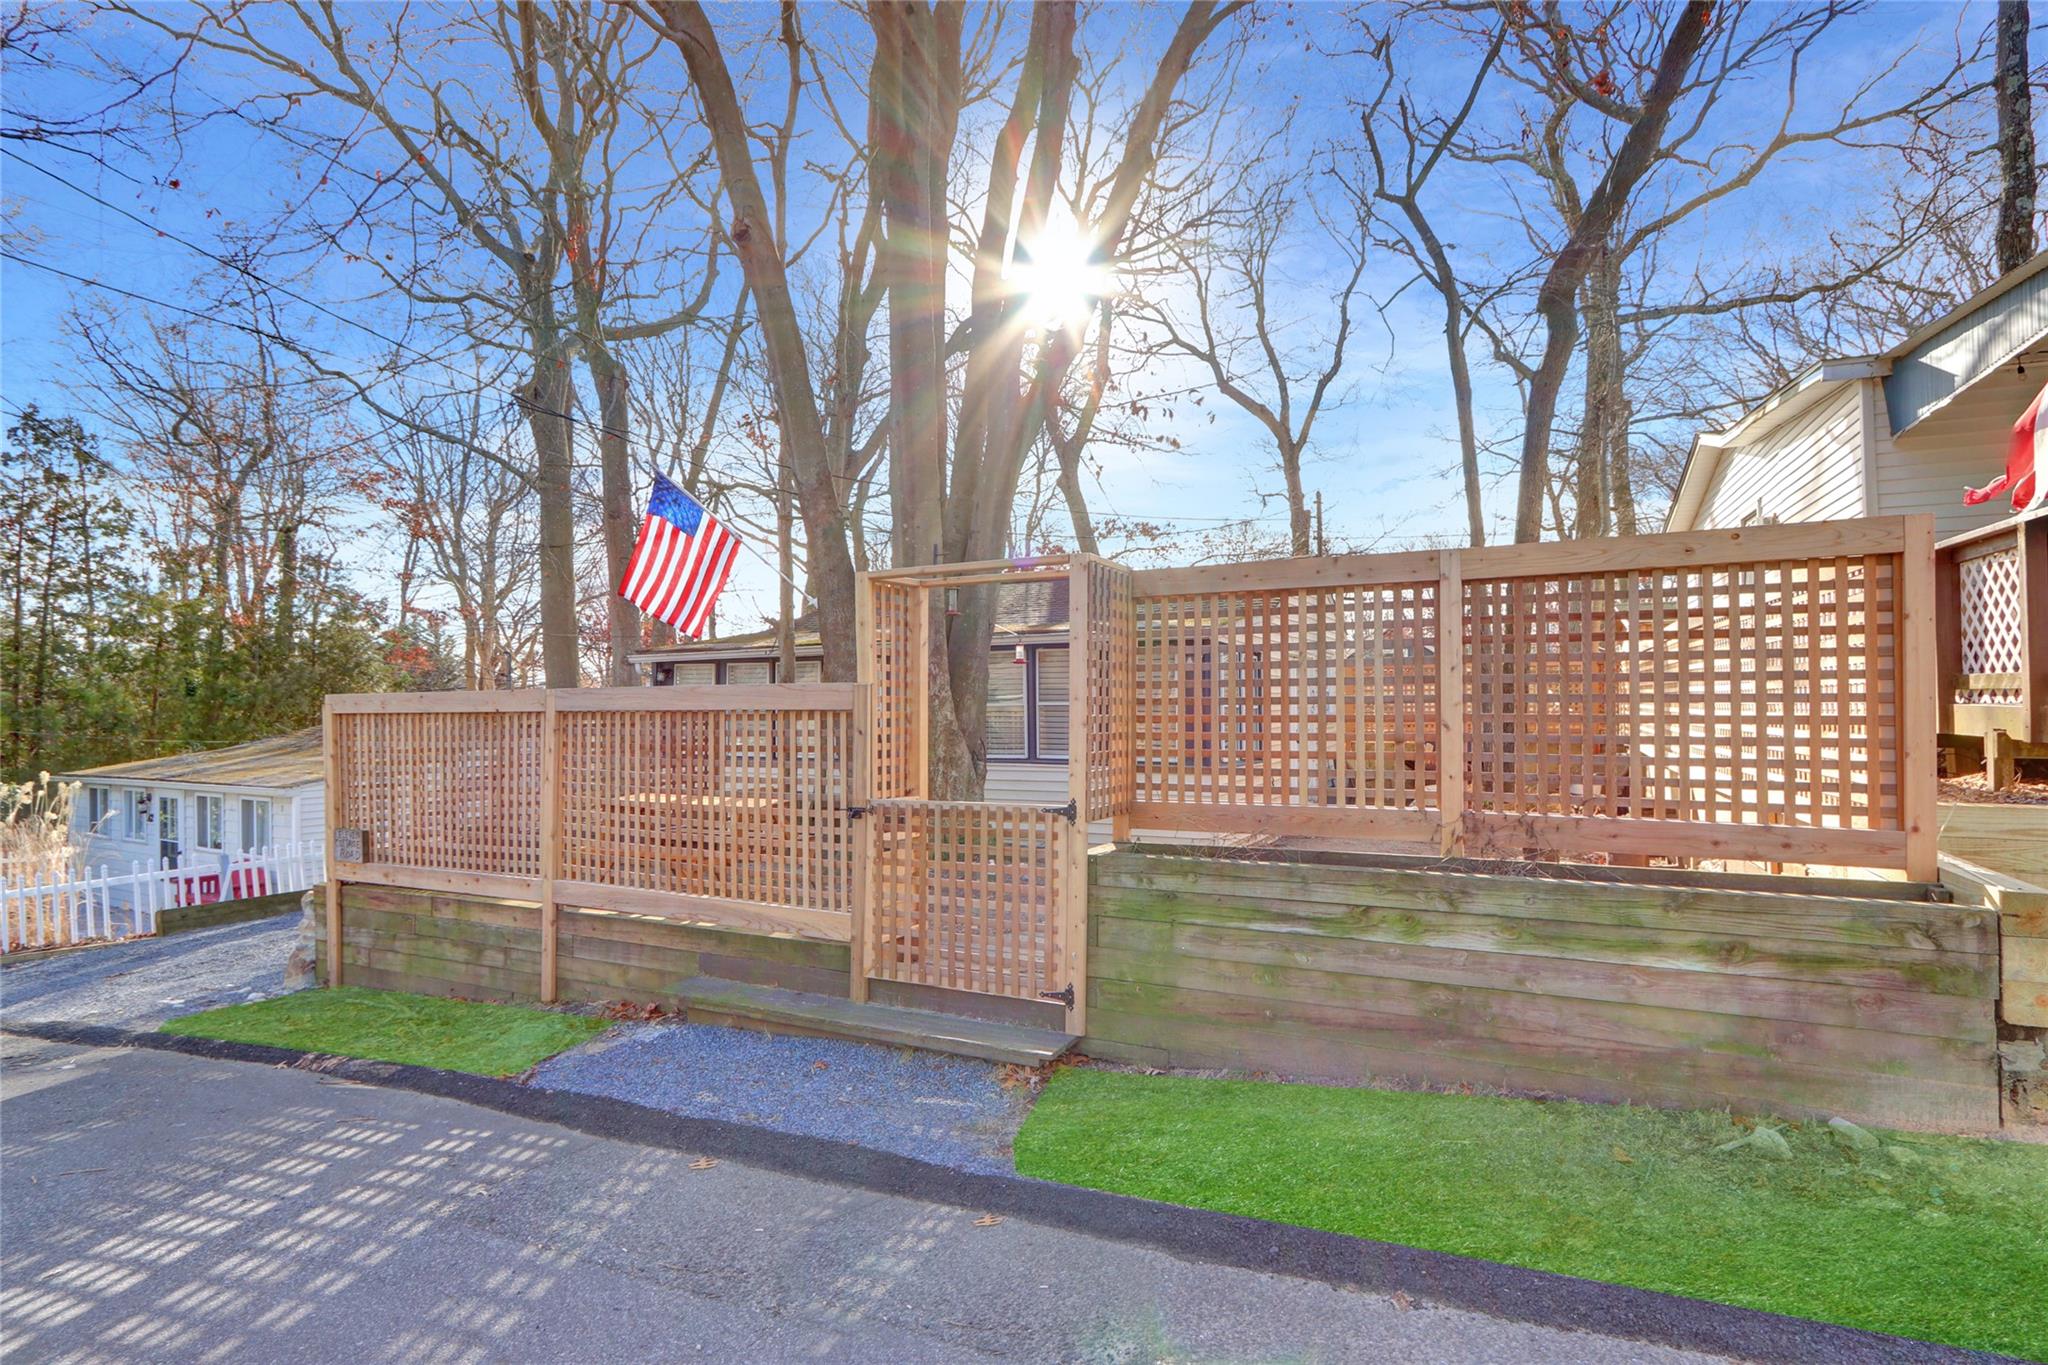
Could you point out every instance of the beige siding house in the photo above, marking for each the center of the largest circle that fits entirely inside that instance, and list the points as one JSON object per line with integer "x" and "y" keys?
{"x": 1883, "y": 435}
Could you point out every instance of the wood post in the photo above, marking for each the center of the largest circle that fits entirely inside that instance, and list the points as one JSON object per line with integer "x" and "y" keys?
{"x": 921, "y": 713}
{"x": 331, "y": 793}
{"x": 1919, "y": 682}
{"x": 1948, "y": 638}
{"x": 2033, "y": 550}
{"x": 550, "y": 846}
{"x": 1073, "y": 898}
{"x": 1450, "y": 703}
{"x": 859, "y": 791}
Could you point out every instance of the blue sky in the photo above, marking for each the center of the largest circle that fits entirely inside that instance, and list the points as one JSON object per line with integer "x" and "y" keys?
{"x": 1385, "y": 458}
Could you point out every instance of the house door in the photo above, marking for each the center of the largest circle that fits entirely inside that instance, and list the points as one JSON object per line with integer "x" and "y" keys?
{"x": 170, "y": 842}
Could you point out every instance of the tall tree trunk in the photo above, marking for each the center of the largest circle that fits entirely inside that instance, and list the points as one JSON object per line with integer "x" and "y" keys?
{"x": 2016, "y": 169}
{"x": 785, "y": 560}
{"x": 829, "y": 559}
{"x": 1300, "y": 529}
{"x": 1461, "y": 399}
{"x": 548, "y": 398}
{"x": 1069, "y": 455}
{"x": 614, "y": 406}
{"x": 1557, "y": 297}
{"x": 1602, "y": 432}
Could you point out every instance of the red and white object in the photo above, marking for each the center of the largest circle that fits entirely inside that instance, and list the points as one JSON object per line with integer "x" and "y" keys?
{"x": 2026, "y": 457}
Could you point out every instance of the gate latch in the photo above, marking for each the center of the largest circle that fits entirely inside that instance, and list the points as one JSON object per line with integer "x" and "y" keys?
{"x": 1071, "y": 810}
{"x": 1065, "y": 995}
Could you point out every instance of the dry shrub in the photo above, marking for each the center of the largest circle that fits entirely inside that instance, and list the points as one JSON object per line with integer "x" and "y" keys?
{"x": 37, "y": 843}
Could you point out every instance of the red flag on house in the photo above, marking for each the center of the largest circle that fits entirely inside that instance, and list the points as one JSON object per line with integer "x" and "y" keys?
{"x": 2026, "y": 462}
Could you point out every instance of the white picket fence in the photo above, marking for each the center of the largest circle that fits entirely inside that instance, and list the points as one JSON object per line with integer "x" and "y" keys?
{"x": 39, "y": 913}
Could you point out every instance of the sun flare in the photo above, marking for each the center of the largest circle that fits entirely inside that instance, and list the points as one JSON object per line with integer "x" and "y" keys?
{"x": 1058, "y": 275}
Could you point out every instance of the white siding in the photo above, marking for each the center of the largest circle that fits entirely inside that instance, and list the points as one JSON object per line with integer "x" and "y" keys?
{"x": 1808, "y": 469}
{"x": 1927, "y": 468}
{"x": 1027, "y": 784}
{"x": 312, "y": 826}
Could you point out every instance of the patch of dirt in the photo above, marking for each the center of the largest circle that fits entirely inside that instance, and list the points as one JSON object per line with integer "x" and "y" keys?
{"x": 1973, "y": 790}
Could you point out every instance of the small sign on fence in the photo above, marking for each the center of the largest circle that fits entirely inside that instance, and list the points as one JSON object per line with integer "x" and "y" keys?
{"x": 351, "y": 845}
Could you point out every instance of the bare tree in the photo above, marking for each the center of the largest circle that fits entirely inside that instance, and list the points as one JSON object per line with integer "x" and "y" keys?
{"x": 1405, "y": 145}
{"x": 1241, "y": 332}
{"x": 951, "y": 496}
{"x": 1557, "y": 295}
{"x": 2013, "y": 84}
{"x": 503, "y": 238}
{"x": 468, "y": 527}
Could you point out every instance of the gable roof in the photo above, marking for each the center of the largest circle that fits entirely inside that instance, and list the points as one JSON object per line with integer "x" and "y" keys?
{"x": 290, "y": 760}
{"x": 1936, "y": 360}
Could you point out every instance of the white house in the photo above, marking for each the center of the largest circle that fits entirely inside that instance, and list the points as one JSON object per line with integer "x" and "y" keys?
{"x": 208, "y": 807}
{"x": 1884, "y": 435}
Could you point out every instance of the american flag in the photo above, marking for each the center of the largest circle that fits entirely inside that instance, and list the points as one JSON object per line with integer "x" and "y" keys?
{"x": 682, "y": 561}
{"x": 2026, "y": 462}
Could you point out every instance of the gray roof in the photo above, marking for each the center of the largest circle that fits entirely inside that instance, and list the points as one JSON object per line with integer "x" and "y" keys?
{"x": 291, "y": 760}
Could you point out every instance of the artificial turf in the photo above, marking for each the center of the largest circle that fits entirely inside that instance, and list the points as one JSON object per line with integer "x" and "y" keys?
{"x": 387, "y": 1026}
{"x": 1939, "y": 1238}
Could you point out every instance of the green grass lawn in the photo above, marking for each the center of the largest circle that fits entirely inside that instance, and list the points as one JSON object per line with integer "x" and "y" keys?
{"x": 387, "y": 1026}
{"x": 1940, "y": 1238}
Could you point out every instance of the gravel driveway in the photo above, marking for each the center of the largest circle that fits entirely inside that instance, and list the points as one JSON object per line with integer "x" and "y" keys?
{"x": 141, "y": 983}
{"x": 947, "y": 1110}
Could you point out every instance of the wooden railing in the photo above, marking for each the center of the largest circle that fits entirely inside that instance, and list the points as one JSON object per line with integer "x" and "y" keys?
{"x": 1760, "y": 694}
{"x": 1992, "y": 610}
{"x": 727, "y": 805}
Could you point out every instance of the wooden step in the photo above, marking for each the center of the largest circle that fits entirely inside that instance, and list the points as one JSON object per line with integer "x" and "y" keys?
{"x": 712, "y": 1000}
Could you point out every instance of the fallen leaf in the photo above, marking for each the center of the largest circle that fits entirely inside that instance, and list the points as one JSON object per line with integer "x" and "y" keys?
{"x": 1621, "y": 1155}
{"x": 703, "y": 1163}
{"x": 988, "y": 1220}
{"x": 1399, "y": 1298}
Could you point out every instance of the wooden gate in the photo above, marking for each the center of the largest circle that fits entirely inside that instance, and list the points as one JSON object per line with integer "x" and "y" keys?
{"x": 983, "y": 896}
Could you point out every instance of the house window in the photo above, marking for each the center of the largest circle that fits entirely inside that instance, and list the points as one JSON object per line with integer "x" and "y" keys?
{"x": 167, "y": 820}
{"x": 99, "y": 804}
{"x": 748, "y": 672}
{"x": 208, "y": 822}
{"x": 694, "y": 675}
{"x": 255, "y": 824}
{"x": 1049, "y": 679}
{"x": 1027, "y": 704}
{"x": 1008, "y": 732}
{"x": 135, "y": 814}
{"x": 810, "y": 670}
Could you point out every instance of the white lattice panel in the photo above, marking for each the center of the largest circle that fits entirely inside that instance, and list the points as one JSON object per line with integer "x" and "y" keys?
{"x": 1992, "y": 640}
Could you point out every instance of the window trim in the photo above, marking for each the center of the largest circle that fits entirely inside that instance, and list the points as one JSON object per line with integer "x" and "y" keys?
{"x": 1033, "y": 652}
{"x": 199, "y": 800}
{"x": 1034, "y": 663}
{"x": 1007, "y": 656}
{"x": 243, "y": 806}
{"x": 135, "y": 819}
{"x": 99, "y": 806}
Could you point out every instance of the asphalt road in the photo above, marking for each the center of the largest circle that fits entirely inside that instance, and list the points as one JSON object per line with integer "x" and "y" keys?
{"x": 163, "y": 1207}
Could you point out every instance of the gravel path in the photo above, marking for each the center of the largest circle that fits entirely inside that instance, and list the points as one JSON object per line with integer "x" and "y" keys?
{"x": 941, "y": 1109}
{"x": 140, "y": 984}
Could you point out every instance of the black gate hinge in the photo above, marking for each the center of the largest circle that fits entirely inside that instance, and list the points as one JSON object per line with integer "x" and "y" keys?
{"x": 1065, "y": 995}
{"x": 856, "y": 812}
{"x": 1071, "y": 810}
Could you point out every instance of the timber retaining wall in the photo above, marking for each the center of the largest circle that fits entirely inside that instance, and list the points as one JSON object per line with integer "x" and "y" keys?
{"x": 1879, "y": 1010}
{"x": 478, "y": 948}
